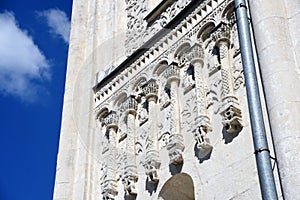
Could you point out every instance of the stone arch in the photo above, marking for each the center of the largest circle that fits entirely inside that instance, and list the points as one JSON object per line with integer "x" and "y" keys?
{"x": 120, "y": 98}
{"x": 205, "y": 31}
{"x": 160, "y": 67}
{"x": 102, "y": 112}
{"x": 228, "y": 11}
{"x": 178, "y": 187}
{"x": 182, "y": 49}
{"x": 138, "y": 82}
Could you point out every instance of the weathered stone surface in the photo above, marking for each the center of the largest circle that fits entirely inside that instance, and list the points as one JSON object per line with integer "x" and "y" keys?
{"x": 167, "y": 118}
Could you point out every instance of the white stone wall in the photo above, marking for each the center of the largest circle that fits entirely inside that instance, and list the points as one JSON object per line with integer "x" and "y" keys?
{"x": 275, "y": 29}
{"x": 96, "y": 153}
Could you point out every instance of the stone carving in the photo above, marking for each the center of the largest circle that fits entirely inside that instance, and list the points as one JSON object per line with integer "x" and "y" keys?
{"x": 202, "y": 141}
{"x": 175, "y": 145}
{"x": 164, "y": 99}
{"x": 142, "y": 113}
{"x": 215, "y": 93}
{"x": 208, "y": 75}
{"x": 189, "y": 109}
{"x": 232, "y": 115}
{"x": 230, "y": 107}
{"x": 209, "y": 97}
{"x": 196, "y": 55}
{"x": 238, "y": 75}
{"x": 136, "y": 25}
{"x": 129, "y": 182}
{"x": 212, "y": 59}
{"x": 188, "y": 82}
{"x": 108, "y": 187}
{"x": 130, "y": 177}
{"x": 164, "y": 129}
{"x": 138, "y": 31}
{"x": 150, "y": 89}
{"x": 109, "y": 179}
{"x": 121, "y": 155}
{"x": 152, "y": 162}
{"x": 164, "y": 139}
{"x": 140, "y": 145}
{"x": 129, "y": 106}
{"x": 111, "y": 121}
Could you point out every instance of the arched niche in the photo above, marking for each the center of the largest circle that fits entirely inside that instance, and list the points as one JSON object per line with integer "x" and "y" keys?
{"x": 102, "y": 112}
{"x": 228, "y": 12}
{"x": 160, "y": 67}
{"x": 205, "y": 31}
{"x": 180, "y": 51}
{"x": 178, "y": 187}
{"x": 120, "y": 99}
{"x": 138, "y": 83}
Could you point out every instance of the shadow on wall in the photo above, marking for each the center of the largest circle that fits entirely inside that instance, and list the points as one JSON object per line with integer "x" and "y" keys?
{"x": 178, "y": 187}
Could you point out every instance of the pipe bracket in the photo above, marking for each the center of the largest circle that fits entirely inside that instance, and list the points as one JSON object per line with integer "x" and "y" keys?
{"x": 261, "y": 150}
{"x": 241, "y": 5}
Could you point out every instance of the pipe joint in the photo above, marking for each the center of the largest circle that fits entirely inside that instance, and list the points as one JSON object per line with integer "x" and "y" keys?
{"x": 261, "y": 150}
{"x": 241, "y": 5}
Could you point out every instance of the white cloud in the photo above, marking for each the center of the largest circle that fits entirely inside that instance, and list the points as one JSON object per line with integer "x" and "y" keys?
{"x": 22, "y": 64}
{"x": 58, "y": 22}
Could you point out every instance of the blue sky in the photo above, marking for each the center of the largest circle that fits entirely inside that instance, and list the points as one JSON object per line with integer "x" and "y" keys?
{"x": 33, "y": 56}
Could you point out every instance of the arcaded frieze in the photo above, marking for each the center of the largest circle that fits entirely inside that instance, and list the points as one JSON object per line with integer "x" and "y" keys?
{"x": 170, "y": 93}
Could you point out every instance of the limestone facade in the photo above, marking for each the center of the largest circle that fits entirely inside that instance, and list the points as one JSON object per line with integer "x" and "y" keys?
{"x": 155, "y": 102}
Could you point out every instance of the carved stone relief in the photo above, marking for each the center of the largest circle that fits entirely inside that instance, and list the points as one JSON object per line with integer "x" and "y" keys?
{"x": 175, "y": 145}
{"x": 130, "y": 177}
{"x": 136, "y": 25}
{"x": 109, "y": 179}
{"x": 188, "y": 81}
{"x": 230, "y": 107}
{"x": 138, "y": 31}
{"x": 179, "y": 99}
{"x": 152, "y": 161}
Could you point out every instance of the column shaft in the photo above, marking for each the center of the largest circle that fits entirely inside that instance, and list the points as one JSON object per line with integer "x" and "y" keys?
{"x": 281, "y": 82}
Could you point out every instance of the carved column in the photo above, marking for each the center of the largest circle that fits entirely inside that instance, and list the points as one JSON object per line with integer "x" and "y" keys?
{"x": 232, "y": 117}
{"x": 109, "y": 183}
{"x": 152, "y": 161}
{"x": 175, "y": 145}
{"x": 130, "y": 176}
{"x": 196, "y": 56}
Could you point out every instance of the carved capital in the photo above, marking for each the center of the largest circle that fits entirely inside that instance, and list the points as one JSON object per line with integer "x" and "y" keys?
{"x": 150, "y": 90}
{"x": 196, "y": 54}
{"x": 172, "y": 72}
{"x": 130, "y": 105}
{"x": 221, "y": 34}
{"x": 111, "y": 120}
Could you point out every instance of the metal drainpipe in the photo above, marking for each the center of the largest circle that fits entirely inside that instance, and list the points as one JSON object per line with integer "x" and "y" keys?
{"x": 262, "y": 152}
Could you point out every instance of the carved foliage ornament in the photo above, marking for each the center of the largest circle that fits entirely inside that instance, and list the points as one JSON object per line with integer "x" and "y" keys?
{"x": 221, "y": 33}
{"x": 111, "y": 119}
{"x": 130, "y": 105}
{"x": 150, "y": 88}
{"x": 172, "y": 71}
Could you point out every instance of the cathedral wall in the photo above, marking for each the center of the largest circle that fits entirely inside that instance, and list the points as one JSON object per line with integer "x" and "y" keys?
{"x": 182, "y": 109}
{"x": 274, "y": 29}
{"x": 147, "y": 111}
{"x": 68, "y": 147}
